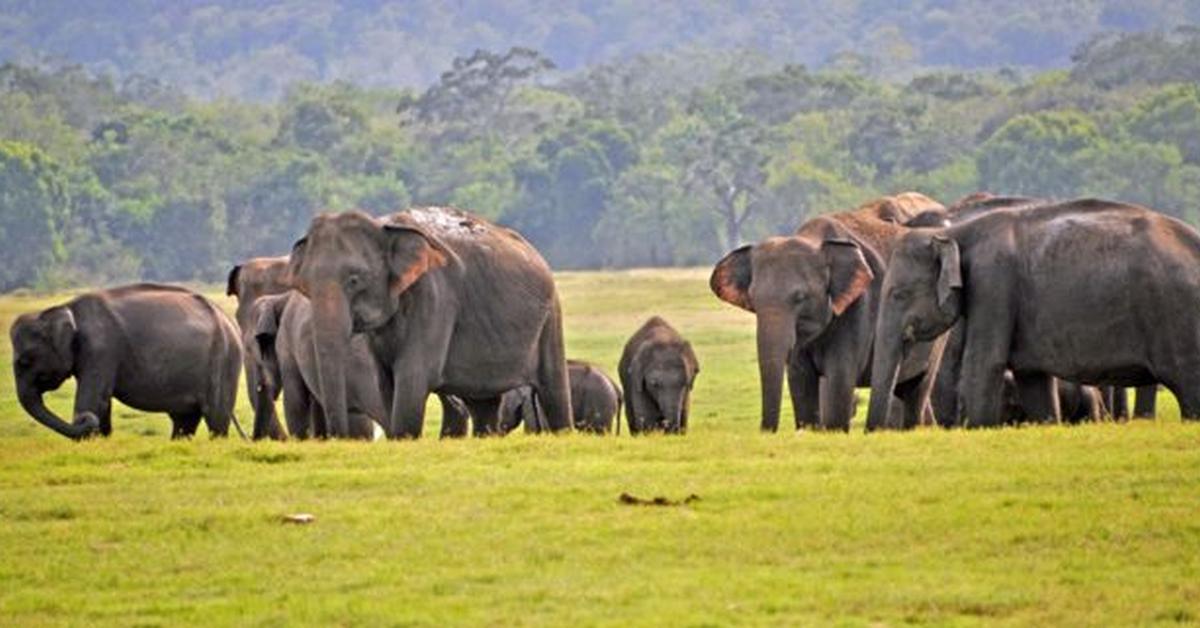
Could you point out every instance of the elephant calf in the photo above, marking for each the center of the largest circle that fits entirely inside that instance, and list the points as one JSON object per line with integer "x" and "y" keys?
{"x": 595, "y": 402}
{"x": 657, "y": 369}
{"x": 283, "y": 357}
{"x": 155, "y": 348}
{"x": 1077, "y": 402}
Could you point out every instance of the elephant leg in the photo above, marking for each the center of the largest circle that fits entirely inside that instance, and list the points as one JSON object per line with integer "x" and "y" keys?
{"x": 944, "y": 396}
{"x": 316, "y": 418}
{"x": 407, "y": 418}
{"x": 184, "y": 424}
{"x": 804, "y": 388}
{"x": 454, "y": 416}
{"x": 914, "y": 398}
{"x": 486, "y": 415}
{"x": 93, "y": 397}
{"x": 837, "y": 406}
{"x": 297, "y": 406}
{"x": 1145, "y": 401}
{"x": 1038, "y": 395}
{"x": 1117, "y": 402}
{"x": 1187, "y": 390}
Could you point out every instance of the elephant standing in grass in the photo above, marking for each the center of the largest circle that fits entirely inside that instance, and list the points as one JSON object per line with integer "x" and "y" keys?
{"x": 448, "y": 303}
{"x": 658, "y": 370}
{"x": 155, "y": 348}
{"x": 815, "y": 295}
{"x": 1034, "y": 289}
{"x": 595, "y": 403}
{"x": 1077, "y": 402}
{"x": 249, "y": 281}
{"x": 283, "y": 353}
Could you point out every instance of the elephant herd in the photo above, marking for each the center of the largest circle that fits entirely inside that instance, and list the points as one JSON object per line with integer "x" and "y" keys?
{"x": 991, "y": 311}
{"x": 354, "y": 329}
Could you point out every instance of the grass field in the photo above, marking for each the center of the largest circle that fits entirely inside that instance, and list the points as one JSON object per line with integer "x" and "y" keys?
{"x": 1092, "y": 525}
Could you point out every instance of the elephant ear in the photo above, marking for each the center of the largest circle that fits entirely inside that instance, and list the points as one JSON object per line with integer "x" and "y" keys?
{"x": 950, "y": 268}
{"x": 231, "y": 283}
{"x": 60, "y": 329}
{"x": 731, "y": 278}
{"x": 296, "y": 262}
{"x": 414, "y": 251}
{"x": 849, "y": 273}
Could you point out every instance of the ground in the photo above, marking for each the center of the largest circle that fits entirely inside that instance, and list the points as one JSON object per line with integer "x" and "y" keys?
{"x": 1091, "y": 525}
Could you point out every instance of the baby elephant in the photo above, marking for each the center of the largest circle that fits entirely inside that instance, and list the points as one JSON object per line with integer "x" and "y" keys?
{"x": 283, "y": 357}
{"x": 595, "y": 402}
{"x": 657, "y": 371}
{"x": 155, "y": 348}
{"x": 1077, "y": 402}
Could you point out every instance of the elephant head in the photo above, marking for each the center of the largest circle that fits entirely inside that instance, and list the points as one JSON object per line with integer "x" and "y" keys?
{"x": 354, "y": 270}
{"x": 44, "y": 347}
{"x": 922, "y": 294}
{"x": 795, "y": 288}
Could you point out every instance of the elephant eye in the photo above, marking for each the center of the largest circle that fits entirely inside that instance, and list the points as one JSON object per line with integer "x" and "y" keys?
{"x": 899, "y": 294}
{"x": 799, "y": 297}
{"x": 354, "y": 282}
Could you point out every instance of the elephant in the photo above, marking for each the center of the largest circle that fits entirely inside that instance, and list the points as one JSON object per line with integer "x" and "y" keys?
{"x": 658, "y": 370}
{"x": 448, "y": 302}
{"x": 815, "y": 295}
{"x": 283, "y": 348}
{"x": 944, "y": 399}
{"x": 249, "y": 281}
{"x": 1034, "y": 288}
{"x": 1077, "y": 402}
{"x": 156, "y": 348}
{"x": 595, "y": 402}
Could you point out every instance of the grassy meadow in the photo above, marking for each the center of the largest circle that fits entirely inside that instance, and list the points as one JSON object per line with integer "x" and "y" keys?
{"x": 1091, "y": 525}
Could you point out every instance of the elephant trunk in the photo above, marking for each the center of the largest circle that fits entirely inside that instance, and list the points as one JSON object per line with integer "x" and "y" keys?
{"x": 31, "y": 400}
{"x": 331, "y": 325}
{"x": 671, "y": 406}
{"x": 885, "y": 369}
{"x": 776, "y": 335}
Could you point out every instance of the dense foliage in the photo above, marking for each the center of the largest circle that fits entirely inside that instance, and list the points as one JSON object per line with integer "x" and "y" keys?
{"x": 663, "y": 159}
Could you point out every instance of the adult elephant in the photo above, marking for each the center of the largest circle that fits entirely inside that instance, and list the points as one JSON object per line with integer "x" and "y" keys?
{"x": 282, "y": 348}
{"x": 815, "y": 295}
{"x": 449, "y": 303}
{"x": 154, "y": 347}
{"x": 1034, "y": 290}
{"x": 248, "y": 282}
{"x": 944, "y": 399}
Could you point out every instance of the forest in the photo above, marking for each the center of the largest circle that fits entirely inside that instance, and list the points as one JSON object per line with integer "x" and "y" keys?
{"x": 663, "y": 157}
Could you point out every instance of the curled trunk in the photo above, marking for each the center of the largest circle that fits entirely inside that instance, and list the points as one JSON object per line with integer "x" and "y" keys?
{"x": 33, "y": 403}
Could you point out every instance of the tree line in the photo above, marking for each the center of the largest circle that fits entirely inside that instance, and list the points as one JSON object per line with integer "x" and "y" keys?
{"x": 658, "y": 160}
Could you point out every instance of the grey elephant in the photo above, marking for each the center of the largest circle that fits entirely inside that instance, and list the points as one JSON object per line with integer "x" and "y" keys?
{"x": 155, "y": 348}
{"x": 658, "y": 369}
{"x": 595, "y": 402}
{"x": 1077, "y": 402}
{"x": 1006, "y": 275}
{"x": 448, "y": 302}
{"x": 815, "y": 295}
{"x": 249, "y": 281}
{"x": 944, "y": 399}
{"x": 280, "y": 340}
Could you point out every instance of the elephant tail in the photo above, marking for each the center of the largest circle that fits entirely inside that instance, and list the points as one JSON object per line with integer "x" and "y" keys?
{"x": 238, "y": 426}
{"x": 620, "y": 404}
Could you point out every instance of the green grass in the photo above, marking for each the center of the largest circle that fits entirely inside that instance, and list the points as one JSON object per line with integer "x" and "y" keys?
{"x": 1095, "y": 525}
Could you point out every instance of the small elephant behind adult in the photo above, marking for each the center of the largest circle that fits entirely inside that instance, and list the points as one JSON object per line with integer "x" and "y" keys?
{"x": 658, "y": 370}
{"x": 248, "y": 282}
{"x": 283, "y": 356}
{"x": 156, "y": 348}
{"x": 1077, "y": 402}
{"x": 595, "y": 402}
